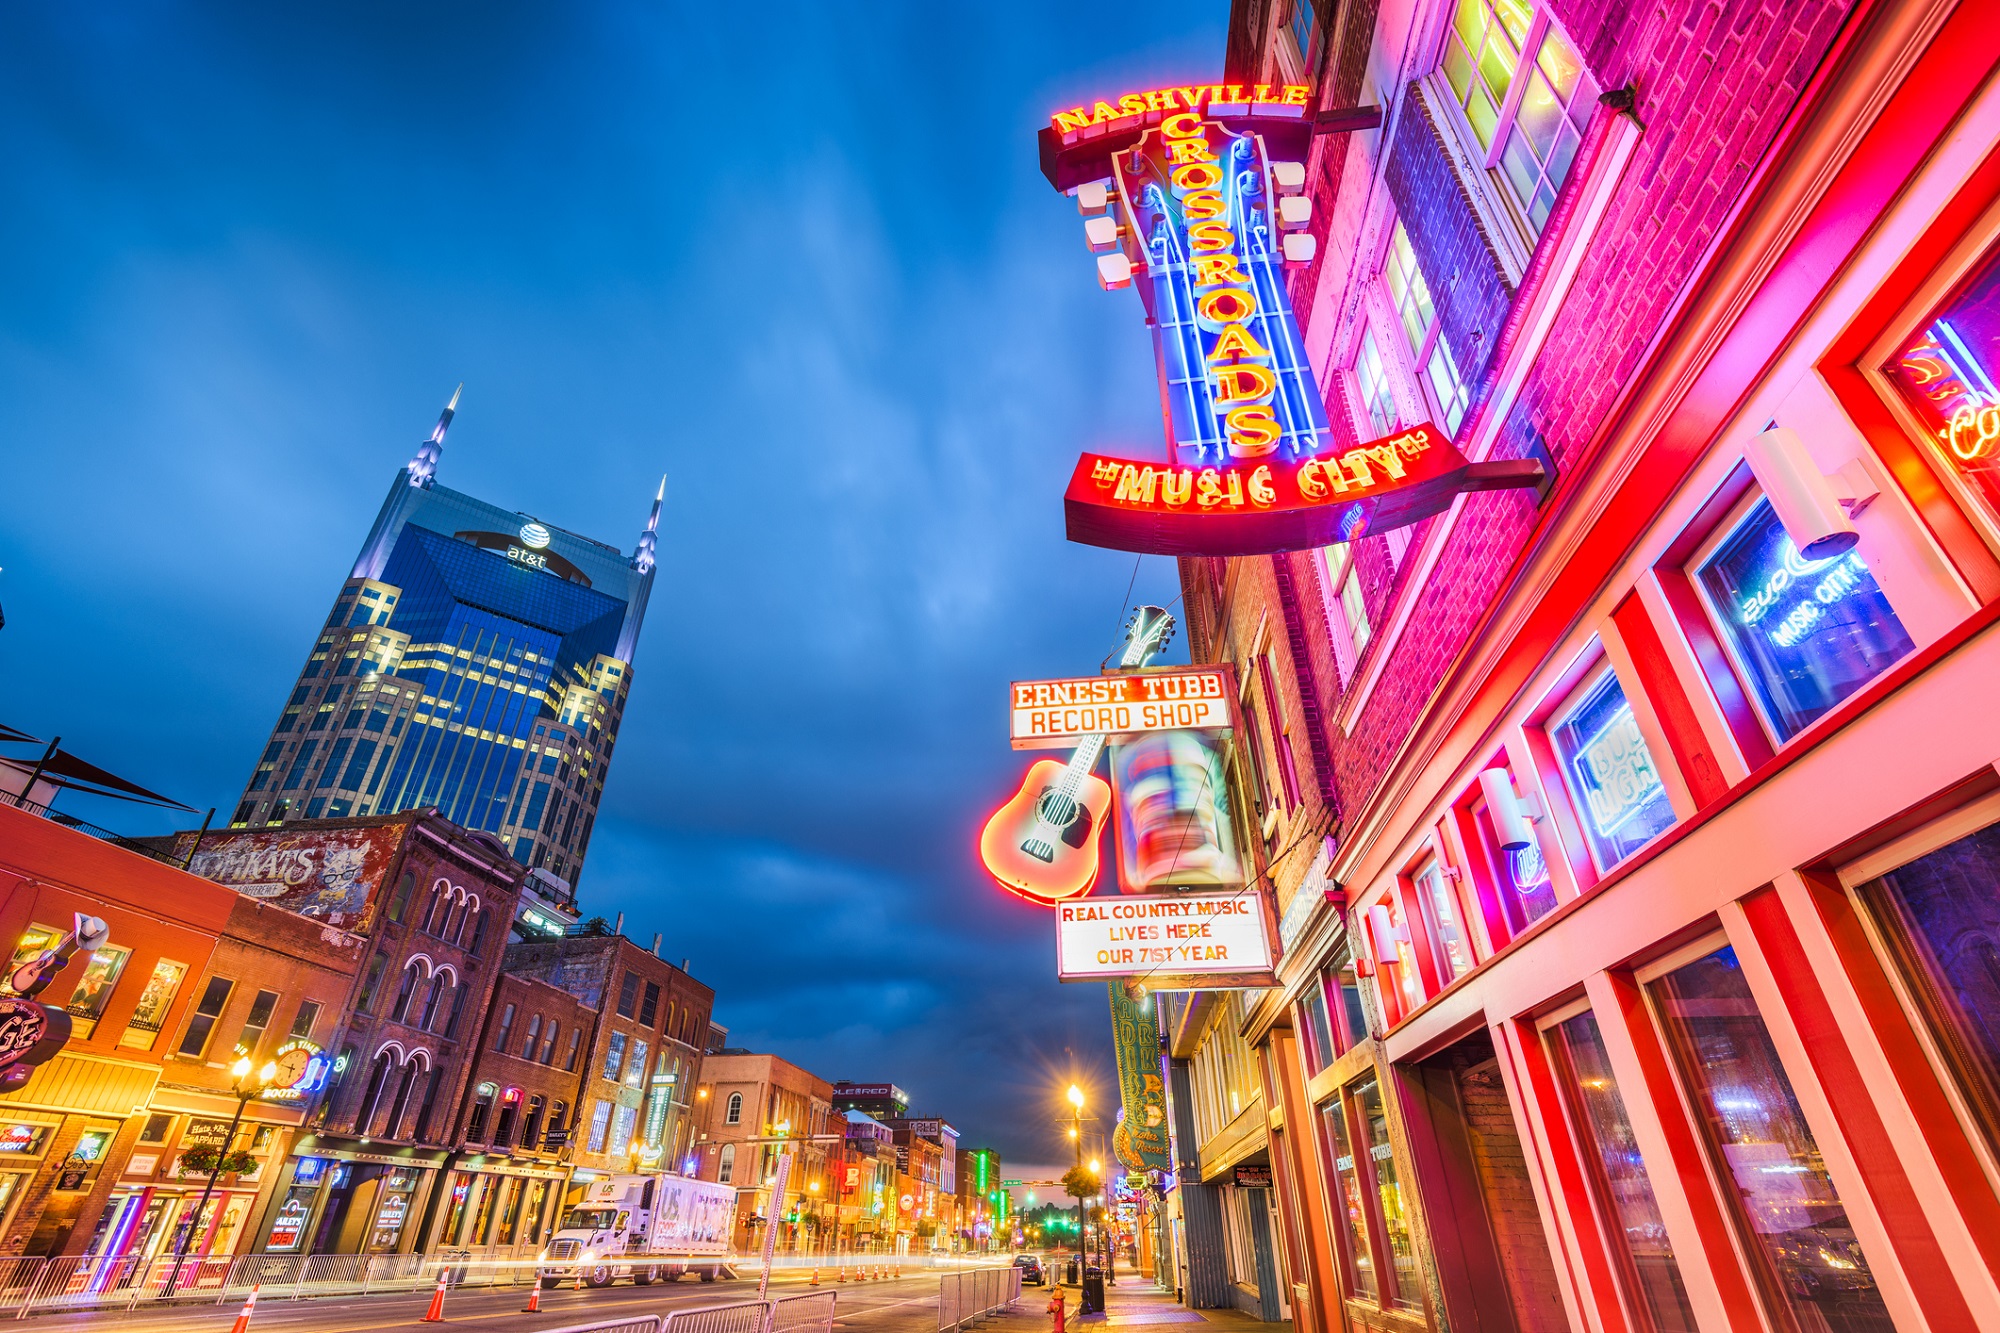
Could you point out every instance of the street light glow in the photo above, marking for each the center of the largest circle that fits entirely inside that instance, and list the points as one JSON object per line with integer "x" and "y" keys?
{"x": 1076, "y": 1096}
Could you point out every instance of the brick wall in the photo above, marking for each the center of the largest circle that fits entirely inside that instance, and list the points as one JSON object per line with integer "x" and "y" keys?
{"x": 1502, "y": 1167}
{"x": 1712, "y": 90}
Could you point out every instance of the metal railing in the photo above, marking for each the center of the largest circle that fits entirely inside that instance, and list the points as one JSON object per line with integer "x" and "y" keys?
{"x": 972, "y": 1293}
{"x": 97, "y": 831}
{"x": 644, "y": 1323}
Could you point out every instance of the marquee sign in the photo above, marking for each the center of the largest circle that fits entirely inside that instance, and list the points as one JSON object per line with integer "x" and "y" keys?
{"x": 1051, "y": 714}
{"x": 1177, "y": 941}
{"x": 1180, "y": 190}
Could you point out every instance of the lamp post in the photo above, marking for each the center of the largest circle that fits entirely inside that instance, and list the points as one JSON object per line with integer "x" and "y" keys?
{"x": 240, "y": 1071}
{"x": 1076, "y": 1141}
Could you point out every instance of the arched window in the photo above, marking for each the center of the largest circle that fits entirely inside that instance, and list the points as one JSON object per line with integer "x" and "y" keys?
{"x": 482, "y": 1110}
{"x": 404, "y": 889}
{"x": 401, "y": 1106}
{"x": 534, "y": 1037}
{"x": 531, "y": 1125}
{"x": 478, "y": 934}
{"x": 548, "y": 1055}
{"x": 434, "y": 999}
{"x": 734, "y": 1115}
{"x": 510, "y": 1110}
{"x": 725, "y": 1170}
{"x": 413, "y": 972}
{"x": 506, "y": 1029}
{"x": 458, "y": 994}
{"x": 436, "y": 908}
{"x": 371, "y": 1096}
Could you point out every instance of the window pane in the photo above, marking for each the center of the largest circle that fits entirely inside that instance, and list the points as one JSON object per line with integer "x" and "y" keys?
{"x": 1795, "y": 1225}
{"x": 1540, "y": 115}
{"x": 1560, "y": 63}
{"x": 1523, "y": 172}
{"x": 1610, "y": 774}
{"x": 1350, "y": 1199}
{"x": 1946, "y": 373}
{"x": 143, "y": 1028}
{"x": 1515, "y": 15}
{"x": 1470, "y": 22}
{"x": 1318, "y": 1045}
{"x": 1445, "y": 920}
{"x": 1496, "y": 66}
{"x": 94, "y": 987}
{"x": 1622, "y": 1180}
{"x": 1942, "y": 915}
{"x": 1559, "y": 161}
{"x": 1807, "y": 632}
{"x": 1445, "y": 383}
{"x": 1483, "y": 115}
{"x": 1409, "y": 1293}
{"x": 1356, "y": 610}
{"x": 1457, "y": 69}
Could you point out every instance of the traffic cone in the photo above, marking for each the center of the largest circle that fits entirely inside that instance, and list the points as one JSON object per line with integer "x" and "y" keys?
{"x": 435, "y": 1315}
{"x": 242, "y": 1323}
{"x": 534, "y": 1305}
{"x": 815, "y": 1277}
{"x": 899, "y": 1270}
{"x": 840, "y": 1274}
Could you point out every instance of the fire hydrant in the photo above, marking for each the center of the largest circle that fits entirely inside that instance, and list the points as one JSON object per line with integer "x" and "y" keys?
{"x": 1056, "y": 1310}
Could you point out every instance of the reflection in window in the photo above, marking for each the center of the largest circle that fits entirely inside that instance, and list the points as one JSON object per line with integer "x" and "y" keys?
{"x": 1941, "y": 915}
{"x": 1351, "y": 1199}
{"x": 1796, "y": 1226}
{"x": 1408, "y": 1289}
{"x": 1622, "y": 1184}
{"x": 1807, "y": 632}
{"x": 1610, "y": 773}
{"x": 1319, "y": 1048}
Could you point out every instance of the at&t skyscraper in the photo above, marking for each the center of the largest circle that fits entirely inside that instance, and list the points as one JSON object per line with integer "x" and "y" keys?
{"x": 476, "y": 659}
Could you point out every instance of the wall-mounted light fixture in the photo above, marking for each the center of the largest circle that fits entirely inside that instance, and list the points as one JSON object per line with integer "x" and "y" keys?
{"x": 1511, "y": 811}
{"x": 1815, "y": 509}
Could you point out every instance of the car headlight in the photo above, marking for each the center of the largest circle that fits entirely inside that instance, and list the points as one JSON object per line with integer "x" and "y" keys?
{"x": 588, "y": 1256}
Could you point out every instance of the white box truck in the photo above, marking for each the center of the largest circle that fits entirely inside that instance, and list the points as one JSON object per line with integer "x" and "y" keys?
{"x": 643, "y": 1227}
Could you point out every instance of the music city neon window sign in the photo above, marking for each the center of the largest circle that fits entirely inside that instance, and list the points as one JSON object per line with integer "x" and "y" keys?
{"x": 1190, "y": 201}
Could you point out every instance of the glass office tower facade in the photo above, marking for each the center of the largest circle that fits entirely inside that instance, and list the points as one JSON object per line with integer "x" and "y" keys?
{"x": 477, "y": 660}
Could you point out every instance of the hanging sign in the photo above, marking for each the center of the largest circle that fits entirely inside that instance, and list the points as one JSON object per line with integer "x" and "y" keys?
{"x": 1053, "y": 714}
{"x": 1140, "y": 1141}
{"x": 1182, "y": 197}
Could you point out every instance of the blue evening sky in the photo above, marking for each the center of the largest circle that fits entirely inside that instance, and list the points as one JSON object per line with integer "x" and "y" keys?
{"x": 799, "y": 258}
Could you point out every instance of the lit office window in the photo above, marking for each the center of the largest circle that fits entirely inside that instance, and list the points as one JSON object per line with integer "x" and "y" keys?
{"x": 1807, "y": 633}
{"x": 1610, "y": 774}
{"x": 1525, "y": 94}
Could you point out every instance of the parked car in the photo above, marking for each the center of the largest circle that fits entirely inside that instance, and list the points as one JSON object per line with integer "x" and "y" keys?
{"x": 1031, "y": 1269}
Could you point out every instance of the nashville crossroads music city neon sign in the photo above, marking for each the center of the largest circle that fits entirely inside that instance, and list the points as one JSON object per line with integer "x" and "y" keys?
{"x": 1192, "y": 201}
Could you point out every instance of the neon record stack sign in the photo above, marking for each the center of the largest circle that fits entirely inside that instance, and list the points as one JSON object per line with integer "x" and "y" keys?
{"x": 1196, "y": 192}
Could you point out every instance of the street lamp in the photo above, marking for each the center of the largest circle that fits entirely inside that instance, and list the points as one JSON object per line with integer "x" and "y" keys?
{"x": 244, "y": 1090}
{"x": 1076, "y": 1139}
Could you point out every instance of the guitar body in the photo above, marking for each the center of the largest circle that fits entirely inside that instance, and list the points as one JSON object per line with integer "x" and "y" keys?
{"x": 1071, "y": 868}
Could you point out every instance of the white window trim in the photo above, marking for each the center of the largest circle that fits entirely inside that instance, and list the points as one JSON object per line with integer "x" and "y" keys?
{"x": 1598, "y": 189}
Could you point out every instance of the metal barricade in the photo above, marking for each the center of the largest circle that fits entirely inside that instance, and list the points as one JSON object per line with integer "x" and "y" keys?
{"x": 973, "y": 1293}
{"x": 801, "y": 1314}
{"x": 644, "y": 1323}
{"x": 742, "y": 1317}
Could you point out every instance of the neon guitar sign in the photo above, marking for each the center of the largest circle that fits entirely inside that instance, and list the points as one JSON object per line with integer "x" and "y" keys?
{"x": 1043, "y": 843}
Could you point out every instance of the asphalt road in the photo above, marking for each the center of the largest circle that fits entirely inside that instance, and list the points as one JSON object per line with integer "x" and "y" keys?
{"x": 888, "y": 1306}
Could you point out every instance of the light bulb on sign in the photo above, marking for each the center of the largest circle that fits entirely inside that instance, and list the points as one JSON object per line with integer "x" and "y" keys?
{"x": 534, "y": 536}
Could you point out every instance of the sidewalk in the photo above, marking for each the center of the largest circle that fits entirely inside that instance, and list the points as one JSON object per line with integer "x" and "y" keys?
{"x": 1137, "y": 1302}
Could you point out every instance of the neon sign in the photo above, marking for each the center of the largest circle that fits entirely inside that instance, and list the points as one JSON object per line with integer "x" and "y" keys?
{"x": 1615, "y": 772}
{"x": 1179, "y": 187}
{"x": 1050, "y": 713}
{"x": 1839, "y": 576}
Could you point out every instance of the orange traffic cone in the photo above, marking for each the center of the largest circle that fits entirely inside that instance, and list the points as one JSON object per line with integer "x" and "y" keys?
{"x": 534, "y": 1305}
{"x": 435, "y": 1315}
{"x": 815, "y": 1277}
{"x": 840, "y": 1274}
{"x": 243, "y": 1320}
{"x": 899, "y": 1270}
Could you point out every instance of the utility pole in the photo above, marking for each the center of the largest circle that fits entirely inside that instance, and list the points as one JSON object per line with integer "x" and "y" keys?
{"x": 1076, "y": 1141}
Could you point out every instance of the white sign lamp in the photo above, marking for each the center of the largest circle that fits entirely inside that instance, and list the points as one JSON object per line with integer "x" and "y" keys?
{"x": 1511, "y": 811}
{"x": 1815, "y": 509}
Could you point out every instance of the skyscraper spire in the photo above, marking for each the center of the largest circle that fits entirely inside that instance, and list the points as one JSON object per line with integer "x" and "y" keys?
{"x": 642, "y": 559}
{"x": 423, "y": 468}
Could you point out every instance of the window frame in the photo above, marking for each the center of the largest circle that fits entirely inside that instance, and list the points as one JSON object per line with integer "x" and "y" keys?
{"x": 1525, "y": 231}
{"x": 1426, "y": 350}
{"x": 1563, "y": 707}
{"x": 1748, "y": 681}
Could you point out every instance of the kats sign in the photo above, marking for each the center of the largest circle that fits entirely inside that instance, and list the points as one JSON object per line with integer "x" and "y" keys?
{"x": 1051, "y": 714}
{"x": 1198, "y": 194}
{"x": 1277, "y": 506}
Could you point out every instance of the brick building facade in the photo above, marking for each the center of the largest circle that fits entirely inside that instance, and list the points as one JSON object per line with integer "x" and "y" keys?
{"x": 1606, "y": 902}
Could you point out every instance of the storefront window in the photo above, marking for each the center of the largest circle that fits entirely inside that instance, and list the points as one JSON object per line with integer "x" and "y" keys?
{"x": 1807, "y": 633}
{"x": 1352, "y": 1018}
{"x": 1407, "y": 1289}
{"x": 1350, "y": 1199}
{"x": 94, "y": 987}
{"x": 1622, "y": 1184}
{"x": 1941, "y": 915}
{"x": 1525, "y": 892}
{"x": 1317, "y": 1048}
{"x": 1620, "y": 800}
{"x": 1794, "y": 1223}
{"x": 1946, "y": 372}
{"x": 1447, "y": 922}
